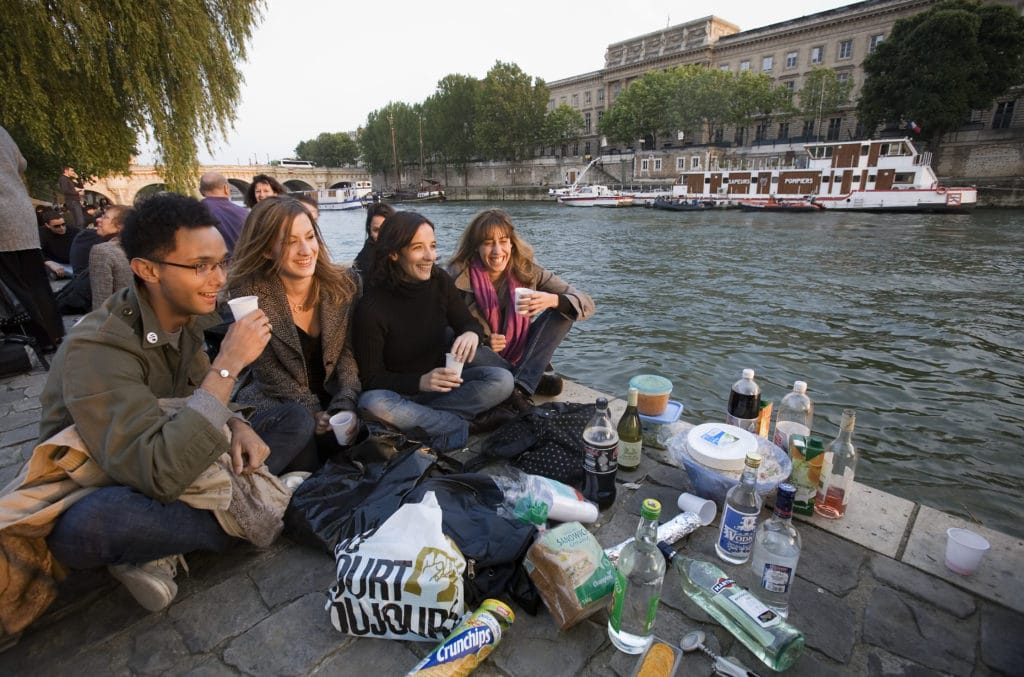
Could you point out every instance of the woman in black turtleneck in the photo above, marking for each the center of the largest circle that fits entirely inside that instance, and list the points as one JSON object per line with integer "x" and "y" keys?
{"x": 402, "y": 330}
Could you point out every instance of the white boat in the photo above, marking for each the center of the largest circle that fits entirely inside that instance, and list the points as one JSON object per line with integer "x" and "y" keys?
{"x": 872, "y": 175}
{"x": 647, "y": 198}
{"x": 595, "y": 196}
{"x": 349, "y": 196}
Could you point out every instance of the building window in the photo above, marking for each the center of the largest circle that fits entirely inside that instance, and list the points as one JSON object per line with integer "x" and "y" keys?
{"x": 790, "y": 85}
{"x": 723, "y": 67}
{"x": 875, "y": 40}
{"x": 791, "y": 58}
{"x": 845, "y": 49}
{"x": 834, "y": 125}
{"x": 761, "y": 131}
{"x": 783, "y": 130}
{"x": 817, "y": 54}
{"x": 575, "y": 100}
{"x": 600, "y": 95}
{"x": 616, "y": 88}
{"x": 1003, "y": 115}
{"x": 576, "y": 148}
{"x": 561, "y": 100}
{"x": 766, "y": 64}
{"x": 551, "y": 104}
{"x": 586, "y": 149}
{"x": 695, "y": 162}
{"x": 808, "y": 129}
{"x": 744, "y": 66}
{"x": 600, "y": 114}
{"x": 657, "y": 164}
{"x": 842, "y": 77}
{"x": 680, "y": 163}
{"x": 740, "y": 136}
{"x": 586, "y": 98}
{"x": 645, "y": 165}
{"x": 586, "y": 122}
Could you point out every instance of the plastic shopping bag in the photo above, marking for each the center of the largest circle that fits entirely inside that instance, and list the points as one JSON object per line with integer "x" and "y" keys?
{"x": 401, "y": 580}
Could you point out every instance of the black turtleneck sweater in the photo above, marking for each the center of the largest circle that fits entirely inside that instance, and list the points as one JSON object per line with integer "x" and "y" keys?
{"x": 400, "y": 334}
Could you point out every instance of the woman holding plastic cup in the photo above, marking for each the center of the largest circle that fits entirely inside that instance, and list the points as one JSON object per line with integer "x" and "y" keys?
{"x": 281, "y": 259}
{"x": 409, "y": 317}
{"x": 526, "y": 310}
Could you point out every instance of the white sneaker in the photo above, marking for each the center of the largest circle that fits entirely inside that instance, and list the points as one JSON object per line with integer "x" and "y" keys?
{"x": 151, "y": 583}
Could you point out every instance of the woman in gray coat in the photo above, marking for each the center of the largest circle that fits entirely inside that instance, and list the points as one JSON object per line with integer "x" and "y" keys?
{"x": 281, "y": 258}
{"x": 109, "y": 269}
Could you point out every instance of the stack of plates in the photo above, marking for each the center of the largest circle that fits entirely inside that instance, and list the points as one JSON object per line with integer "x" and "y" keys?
{"x": 720, "y": 446}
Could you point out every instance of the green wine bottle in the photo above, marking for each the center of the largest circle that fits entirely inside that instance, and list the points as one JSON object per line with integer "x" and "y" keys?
{"x": 631, "y": 435}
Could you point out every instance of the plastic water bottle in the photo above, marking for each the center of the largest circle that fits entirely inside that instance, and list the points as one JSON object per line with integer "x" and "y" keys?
{"x": 640, "y": 571}
{"x": 795, "y": 415}
{"x": 776, "y": 553}
{"x": 744, "y": 403}
{"x": 600, "y": 442}
{"x": 739, "y": 515}
{"x": 535, "y": 499}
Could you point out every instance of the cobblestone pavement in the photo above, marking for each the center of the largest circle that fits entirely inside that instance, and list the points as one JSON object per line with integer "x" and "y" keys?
{"x": 262, "y": 612}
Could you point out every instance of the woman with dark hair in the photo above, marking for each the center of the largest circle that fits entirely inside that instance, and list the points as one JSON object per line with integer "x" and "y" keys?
{"x": 376, "y": 213}
{"x": 109, "y": 269}
{"x": 491, "y": 261}
{"x": 262, "y": 187}
{"x": 404, "y": 325}
{"x": 282, "y": 259}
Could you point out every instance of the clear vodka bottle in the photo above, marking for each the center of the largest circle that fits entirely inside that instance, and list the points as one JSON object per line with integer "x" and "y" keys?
{"x": 776, "y": 553}
{"x": 639, "y": 574}
{"x": 760, "y": 629}
{"x": 739, "y": 515}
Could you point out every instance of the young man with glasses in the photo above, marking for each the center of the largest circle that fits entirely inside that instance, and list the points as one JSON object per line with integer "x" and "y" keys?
{"x": 145, "y": 344}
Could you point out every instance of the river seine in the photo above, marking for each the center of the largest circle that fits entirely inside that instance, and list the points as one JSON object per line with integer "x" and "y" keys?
{"x": 914, "y": 321}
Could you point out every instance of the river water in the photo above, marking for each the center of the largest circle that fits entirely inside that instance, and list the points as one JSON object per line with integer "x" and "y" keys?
{"x": 915, "y": 321}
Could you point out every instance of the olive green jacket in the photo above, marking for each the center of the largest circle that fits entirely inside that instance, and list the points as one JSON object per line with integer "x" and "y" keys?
{"x": 108, "y": 378}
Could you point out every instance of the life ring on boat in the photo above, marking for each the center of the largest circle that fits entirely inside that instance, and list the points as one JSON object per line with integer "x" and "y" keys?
{"x": 940, "y": 190}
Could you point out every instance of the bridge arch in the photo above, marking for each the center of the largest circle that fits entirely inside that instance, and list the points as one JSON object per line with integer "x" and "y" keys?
{"x": 149, "y": 190}
{"x": 297, "y": 185}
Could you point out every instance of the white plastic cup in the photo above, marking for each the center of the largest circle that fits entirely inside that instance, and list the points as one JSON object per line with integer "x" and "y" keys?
{"x": 522, "y": 292}
{"x": 703, "y": 508}
{"x": 243, "y": 305}
{"x": 453, "y": 363}
{"x": 345, "y": 425}
{"x": 964, "y": 550}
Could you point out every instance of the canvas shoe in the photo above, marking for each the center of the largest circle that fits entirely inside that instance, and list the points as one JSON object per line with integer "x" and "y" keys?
{"x": 151, "y": 583}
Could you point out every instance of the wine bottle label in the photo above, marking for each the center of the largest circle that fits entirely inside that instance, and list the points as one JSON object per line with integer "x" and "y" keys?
{"x": 737, "y": 535}
{"x": 629, "y": 453}
{"x": 776, "y": 577}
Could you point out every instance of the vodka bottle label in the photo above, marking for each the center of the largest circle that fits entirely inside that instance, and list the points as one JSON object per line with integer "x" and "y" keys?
{"x": 776, "y": 577}
{"x": 737, "y": 535}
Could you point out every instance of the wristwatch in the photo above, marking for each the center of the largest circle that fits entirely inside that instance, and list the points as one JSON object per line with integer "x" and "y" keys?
{"x": 223, "y": 373}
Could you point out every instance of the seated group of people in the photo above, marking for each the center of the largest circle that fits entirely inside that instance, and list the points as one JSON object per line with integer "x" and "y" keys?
{"x": 326, "y": 338}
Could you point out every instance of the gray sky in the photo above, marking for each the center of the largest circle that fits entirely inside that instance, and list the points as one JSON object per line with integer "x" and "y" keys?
{"x": 321, "y": 65}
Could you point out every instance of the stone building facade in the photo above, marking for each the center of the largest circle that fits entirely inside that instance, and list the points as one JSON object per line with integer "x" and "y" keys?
{"x": 840, "y": 39}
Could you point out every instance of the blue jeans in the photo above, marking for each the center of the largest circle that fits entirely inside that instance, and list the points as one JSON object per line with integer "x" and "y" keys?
{"x": 440, "y": 419}
{"x": 545, "y": 335}
{"x": 119, "y": 525}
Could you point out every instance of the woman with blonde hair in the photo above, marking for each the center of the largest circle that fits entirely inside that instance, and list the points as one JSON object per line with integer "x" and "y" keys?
{"x": 281, "y": 258}
{"x": 490, "y": 263}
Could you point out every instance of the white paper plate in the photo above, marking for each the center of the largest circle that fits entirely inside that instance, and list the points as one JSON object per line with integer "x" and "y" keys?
{"x": 720, "y": 446}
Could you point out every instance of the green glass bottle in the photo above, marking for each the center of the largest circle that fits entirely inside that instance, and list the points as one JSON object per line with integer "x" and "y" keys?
{"x": 631, "y": 434}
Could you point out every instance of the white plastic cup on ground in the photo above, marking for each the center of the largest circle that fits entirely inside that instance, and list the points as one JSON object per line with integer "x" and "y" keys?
{"x": 243, "y": 305}
{"x": 964, "y": 550}
{"x": 453, "y": 363}
{"x": 703, "y": 508}
{"x": 345, "y": 425}
{"x": 522, "y": 292}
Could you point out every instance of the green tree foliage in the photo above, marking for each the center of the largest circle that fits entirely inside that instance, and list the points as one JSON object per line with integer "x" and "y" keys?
{"x": 329, "y": 150}
{"x": 937, "y": 66}
{"x": 646, "y": 108}
{"x": 562, "y": 126}
{"x": 510, "y": 112}
{"x": 82, "y": 81}
{"x": 375, "y": 139}
{"x": 450, "y": 119}
{"x": 822, "y": 94}
{"x": 755, "y": 99}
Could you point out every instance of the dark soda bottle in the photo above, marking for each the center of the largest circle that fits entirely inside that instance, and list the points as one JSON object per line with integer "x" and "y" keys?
{"x": 744, "y": 402}
{"x": 600, "y": 441}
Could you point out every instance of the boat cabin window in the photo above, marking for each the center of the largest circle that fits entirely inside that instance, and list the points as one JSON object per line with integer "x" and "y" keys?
{"x": 893, "y": 149}
{"x": 865, "y": 149}
{"x": 820, "y": 152}
{"x": 904, "y": 177}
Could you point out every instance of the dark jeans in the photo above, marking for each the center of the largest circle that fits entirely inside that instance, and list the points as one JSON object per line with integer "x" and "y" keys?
{"x": 25, "y": 275}
{"x": 546, "y": 333}
{"x": 118, "y": 525}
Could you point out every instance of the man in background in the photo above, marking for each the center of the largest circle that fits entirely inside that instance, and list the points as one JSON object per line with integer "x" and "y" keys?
{"x": 217, "y": 197}
{"x": 70, "y": 189}
{"x": 55, "y": 238}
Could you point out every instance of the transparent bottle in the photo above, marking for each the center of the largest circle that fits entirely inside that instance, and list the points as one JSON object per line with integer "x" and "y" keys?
{"x": 739, "y": 515}
{"x": 744, "y": 402}
{"x": 795, "y": 415}
{"x": 760, "y": 629}
{"x": 776, "y": 553}
{"x": 837, "y": 471}
{"x": 807, "y": 453}
{"x": 631, "y": 434}
{"x": 600, "y": 441}
{"x": 640, "y": 571}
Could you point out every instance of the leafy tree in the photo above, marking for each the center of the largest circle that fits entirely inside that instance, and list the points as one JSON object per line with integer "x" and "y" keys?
{"x": 81, "y": 81}
{"x": 510, "y": 112}
{"x": 823, "y": 93}
{"x": 754, "y": 98}
{"x": 329, "y": 150}
{"x": 644, "y": 109}
{"x": 450, "y": 119}
{"x": 562, "y": 126}
{"x": 375, "y": 139}
{"x": 938, "y": 65}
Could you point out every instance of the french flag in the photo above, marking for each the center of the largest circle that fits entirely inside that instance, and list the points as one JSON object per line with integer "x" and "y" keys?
{"x": 913, "y": 126}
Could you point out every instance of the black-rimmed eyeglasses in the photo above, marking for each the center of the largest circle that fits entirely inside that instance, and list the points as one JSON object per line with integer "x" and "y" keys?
{"x": 202, "y": 269}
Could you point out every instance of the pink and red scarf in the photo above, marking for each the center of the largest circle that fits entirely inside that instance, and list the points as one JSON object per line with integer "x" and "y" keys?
{"x": 516, "y": 326}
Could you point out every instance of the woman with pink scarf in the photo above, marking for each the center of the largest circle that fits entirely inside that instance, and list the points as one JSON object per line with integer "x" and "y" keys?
{"x": 490, "y": 263}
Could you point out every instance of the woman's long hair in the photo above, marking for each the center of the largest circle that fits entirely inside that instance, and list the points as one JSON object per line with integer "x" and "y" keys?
{"x": 396, "y": 233}
{"x": 496, "y": 223}
{"x": 269, "y": 225}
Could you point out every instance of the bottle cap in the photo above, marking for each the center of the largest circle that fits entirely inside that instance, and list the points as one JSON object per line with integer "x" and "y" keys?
{"x": 602, "y": 403}
{"x": 748, "y": 373}
{"x": 799, "y": 387}
{"x": 632, "y": 396}
{"x": 784, "y": 499}
{"x": 650, "y": 509}
{"x": 753, "y": 460}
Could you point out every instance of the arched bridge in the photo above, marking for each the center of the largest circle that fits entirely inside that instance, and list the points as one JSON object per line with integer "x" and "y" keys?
{"x": 146, "y": 178}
